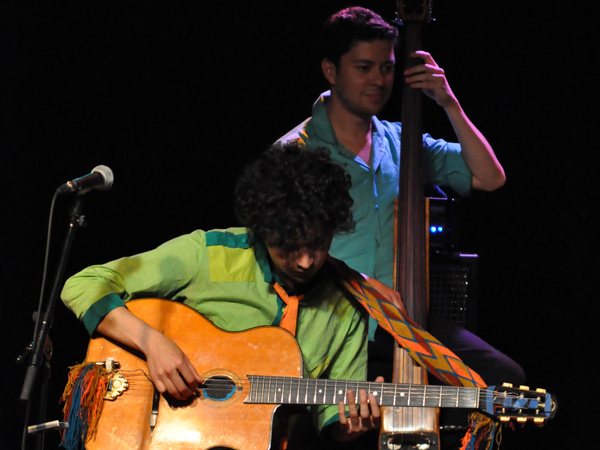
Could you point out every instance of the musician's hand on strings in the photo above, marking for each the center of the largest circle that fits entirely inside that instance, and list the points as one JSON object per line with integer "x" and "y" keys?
{"x": 363, "y": 416}
{"x": 431, "y": 78}
{"x": 488, "y": 174}
{"x": 170, "y": 369}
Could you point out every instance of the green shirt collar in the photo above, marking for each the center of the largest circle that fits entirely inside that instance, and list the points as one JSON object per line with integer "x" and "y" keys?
{"x": 323, "y": 130}
{"x": 263, "y": 260}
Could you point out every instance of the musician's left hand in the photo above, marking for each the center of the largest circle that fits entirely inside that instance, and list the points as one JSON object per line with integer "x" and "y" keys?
{"x": 363, "y": 416}
{"x": 431, "y": 78}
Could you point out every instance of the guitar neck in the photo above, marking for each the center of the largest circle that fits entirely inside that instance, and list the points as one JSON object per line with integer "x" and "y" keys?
{"x": 307, "y": 391}
{"x": 503, "y": 401}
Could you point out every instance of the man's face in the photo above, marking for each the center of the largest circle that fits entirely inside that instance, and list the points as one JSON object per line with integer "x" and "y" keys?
{"x": 297, "y": 264}
{"x": 364, "y": 79}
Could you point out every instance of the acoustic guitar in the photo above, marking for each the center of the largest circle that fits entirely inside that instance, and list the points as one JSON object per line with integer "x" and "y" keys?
{"x": 247, "y": 376}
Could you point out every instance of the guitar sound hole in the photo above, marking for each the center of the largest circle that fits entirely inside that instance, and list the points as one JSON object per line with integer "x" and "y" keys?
{"x": 219, "y": 388}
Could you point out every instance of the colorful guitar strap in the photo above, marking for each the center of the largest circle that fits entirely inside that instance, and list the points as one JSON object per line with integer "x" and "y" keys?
{"x": 425, "y": 349}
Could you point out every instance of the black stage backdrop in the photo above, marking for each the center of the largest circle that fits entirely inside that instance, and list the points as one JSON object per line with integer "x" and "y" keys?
{"x": 177, "y": 96}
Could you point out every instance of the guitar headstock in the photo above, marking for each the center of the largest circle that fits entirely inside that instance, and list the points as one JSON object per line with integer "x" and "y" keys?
{"x": 507, "y": 402}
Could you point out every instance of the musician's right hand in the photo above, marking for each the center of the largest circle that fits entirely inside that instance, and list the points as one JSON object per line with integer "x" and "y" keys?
{"x": 169, "y": 368}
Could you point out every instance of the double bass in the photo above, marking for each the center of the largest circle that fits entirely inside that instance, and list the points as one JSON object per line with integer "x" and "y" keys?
{"x": 406, "y": 428}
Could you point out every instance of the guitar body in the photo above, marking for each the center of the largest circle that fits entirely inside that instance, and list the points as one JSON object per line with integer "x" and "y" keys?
{"x": 247, "y": 375}
{"x": 202, "y": 423}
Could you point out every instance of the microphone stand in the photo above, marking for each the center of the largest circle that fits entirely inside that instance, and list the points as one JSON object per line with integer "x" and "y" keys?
{"x": 44, "y": 320}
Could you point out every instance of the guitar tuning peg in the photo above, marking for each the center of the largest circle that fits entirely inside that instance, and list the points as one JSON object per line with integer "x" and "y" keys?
{"x": 508, "y": 385}
{"x": 504, "y": 419}
{"x": 541, "y": 391}
{"x": 521, "y": 419}
{"x": 525, "y": 388}
{"x": 538, "y": 420}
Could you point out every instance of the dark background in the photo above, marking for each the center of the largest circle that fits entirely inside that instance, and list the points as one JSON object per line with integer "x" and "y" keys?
{"x": 177, "y": 96}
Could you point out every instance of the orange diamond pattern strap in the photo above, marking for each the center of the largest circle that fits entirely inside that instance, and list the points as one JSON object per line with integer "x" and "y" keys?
{"x": 425, "y": 349}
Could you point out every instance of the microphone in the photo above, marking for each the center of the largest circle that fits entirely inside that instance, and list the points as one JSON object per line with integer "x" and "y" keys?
{"x": 101, "y": 178}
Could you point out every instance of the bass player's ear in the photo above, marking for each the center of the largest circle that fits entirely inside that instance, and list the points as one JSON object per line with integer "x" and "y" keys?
{"x": 329, "y": 70}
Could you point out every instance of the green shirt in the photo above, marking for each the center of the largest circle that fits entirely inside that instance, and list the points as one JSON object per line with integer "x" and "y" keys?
{"x": 226, "y": 278}
{"x": 375, "y": 185}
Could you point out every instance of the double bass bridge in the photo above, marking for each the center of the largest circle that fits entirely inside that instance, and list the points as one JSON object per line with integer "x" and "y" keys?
{"x": 409, "y": 428}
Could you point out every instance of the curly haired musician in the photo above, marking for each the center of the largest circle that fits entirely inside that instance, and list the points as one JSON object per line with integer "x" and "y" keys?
{"x": 291, "y": 204}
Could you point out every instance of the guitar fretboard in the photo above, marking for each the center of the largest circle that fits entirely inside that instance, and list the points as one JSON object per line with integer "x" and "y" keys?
{"x": 308, "y": 391}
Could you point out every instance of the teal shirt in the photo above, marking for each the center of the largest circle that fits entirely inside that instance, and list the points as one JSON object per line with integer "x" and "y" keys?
{"x": 226, "y": 278}
{"x": 369, "y": 249}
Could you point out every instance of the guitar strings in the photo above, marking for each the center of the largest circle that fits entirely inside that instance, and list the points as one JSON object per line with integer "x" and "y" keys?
{"x": 311, "y": 384}
{"x": 308, "y": 391}
{"x": 288, "y": 386}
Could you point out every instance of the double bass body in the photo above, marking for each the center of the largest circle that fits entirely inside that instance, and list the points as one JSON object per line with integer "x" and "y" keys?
{"x": 411, "y": 428}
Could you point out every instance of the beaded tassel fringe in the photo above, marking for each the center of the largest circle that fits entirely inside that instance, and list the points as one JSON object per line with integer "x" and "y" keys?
{"x": 84, "y": 398}
{"x": 482, "y": 434}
